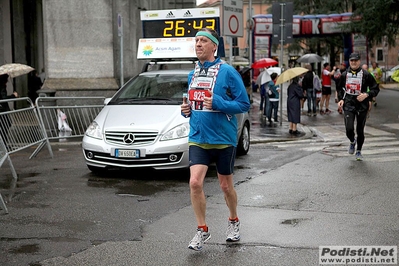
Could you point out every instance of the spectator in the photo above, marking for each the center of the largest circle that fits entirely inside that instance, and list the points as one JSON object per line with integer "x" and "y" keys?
{"x": 338, "y": 72}
{"x": 42, "y": 76}
{"x": 35, "y": 84}
{"x": 5, "y": 121}
{"x": 294, "y": 96}
{"x": 326, "y": 88}
{"x": 273, "y": 95}
{"x": 309, "y": 91}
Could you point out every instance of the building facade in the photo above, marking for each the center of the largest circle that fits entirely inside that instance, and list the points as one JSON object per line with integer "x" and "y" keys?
{"x": 77, "y": 43}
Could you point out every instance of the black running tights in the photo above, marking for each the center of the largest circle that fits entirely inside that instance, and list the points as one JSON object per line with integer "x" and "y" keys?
{"x": 360, "y": 124}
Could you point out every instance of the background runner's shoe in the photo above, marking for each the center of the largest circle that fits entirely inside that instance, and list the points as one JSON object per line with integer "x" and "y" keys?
{"x": 199, "y": 239}
{"x": 233, "y": 231}
{"x": 359, "y": 156}
{"x": 352, "y": 146}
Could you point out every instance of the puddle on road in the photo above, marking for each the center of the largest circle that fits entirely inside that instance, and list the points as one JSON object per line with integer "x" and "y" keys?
{"x": 24, "y": 249}
{"x": 133, "y": 188}
{"x": 294, "y": 221}
{"x": 9, "y": 182}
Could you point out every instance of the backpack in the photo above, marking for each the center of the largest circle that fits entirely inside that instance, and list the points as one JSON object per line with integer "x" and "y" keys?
{"x": 316, "y": 82}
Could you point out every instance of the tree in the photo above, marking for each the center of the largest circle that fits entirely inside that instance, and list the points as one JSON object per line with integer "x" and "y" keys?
{"x": 378, "y": 19}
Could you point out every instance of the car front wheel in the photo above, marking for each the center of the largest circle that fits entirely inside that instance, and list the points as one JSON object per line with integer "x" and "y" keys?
{"x": 244, "y": 141}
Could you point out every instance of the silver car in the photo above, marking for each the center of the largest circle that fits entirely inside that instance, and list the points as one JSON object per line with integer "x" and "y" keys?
{"x": 141, "y": 126}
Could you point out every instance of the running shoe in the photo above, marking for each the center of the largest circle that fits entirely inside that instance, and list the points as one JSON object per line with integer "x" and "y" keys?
{"x": 233, "y": 231}
{"x": 322, "y": 112}
{"x": 328, "y": 111}
{"x": 199, "y": 239}
{"x": 359, "y": 156}
{"x": 352, "y": 146}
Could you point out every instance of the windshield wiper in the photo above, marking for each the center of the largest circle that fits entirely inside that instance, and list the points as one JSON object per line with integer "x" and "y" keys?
{"x": 144, "y": 100}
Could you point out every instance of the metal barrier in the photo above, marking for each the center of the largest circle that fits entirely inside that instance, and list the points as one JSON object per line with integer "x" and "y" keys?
{"x": 19, "y": 129}
{"x": 4, "y": 156}
{"x": 67, "y": 117}
{"x": 51, "y": 118}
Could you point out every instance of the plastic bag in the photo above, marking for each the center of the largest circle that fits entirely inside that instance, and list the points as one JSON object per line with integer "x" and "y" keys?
{"x": 62, "y": 123}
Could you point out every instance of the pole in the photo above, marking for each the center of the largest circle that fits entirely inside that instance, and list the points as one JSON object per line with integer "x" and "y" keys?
{"x": 250, "y": 35}
{"x": 230, "y": 50}
{"x": 282, "y": 22}
{"x": 120, "y": 34}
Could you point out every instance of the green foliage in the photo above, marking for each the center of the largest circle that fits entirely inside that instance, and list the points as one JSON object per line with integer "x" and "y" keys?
{"x": 379, "y": 18}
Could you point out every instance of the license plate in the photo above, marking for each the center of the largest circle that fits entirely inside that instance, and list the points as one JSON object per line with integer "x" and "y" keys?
{"x": 127, "y": 153}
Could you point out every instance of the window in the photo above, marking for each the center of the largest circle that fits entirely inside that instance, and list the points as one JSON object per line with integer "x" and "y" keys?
{"x": 380, "y": 54}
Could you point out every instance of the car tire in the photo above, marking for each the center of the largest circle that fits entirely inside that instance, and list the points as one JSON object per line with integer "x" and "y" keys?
{"x": 244, "y": 140}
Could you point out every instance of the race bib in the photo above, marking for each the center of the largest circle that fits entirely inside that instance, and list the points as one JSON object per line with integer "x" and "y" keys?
{"x": 203, "y": 82}
{"x": 353, "y": 86}
{"x": 196, "y": 97}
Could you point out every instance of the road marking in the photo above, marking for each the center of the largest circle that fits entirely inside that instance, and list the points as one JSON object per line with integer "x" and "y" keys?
{"x": 379, "y": 145}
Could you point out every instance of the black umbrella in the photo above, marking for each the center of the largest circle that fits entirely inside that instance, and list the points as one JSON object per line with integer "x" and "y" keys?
{"x": 245, "y": 70}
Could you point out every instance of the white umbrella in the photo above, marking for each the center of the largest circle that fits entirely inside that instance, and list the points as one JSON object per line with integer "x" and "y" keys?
{"x": 272, "y": 70}
{"x": 15, "y": 69}
{"x": 265, "y": 77}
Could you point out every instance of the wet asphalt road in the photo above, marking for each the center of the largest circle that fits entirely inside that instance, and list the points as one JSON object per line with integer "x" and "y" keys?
{"x": 58, "y": 208}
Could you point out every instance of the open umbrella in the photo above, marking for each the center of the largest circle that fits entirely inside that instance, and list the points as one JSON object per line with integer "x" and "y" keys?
{"x": 15, "y": 69}
{"x": 272, "y": 70}
{"x": 244, "y": 70}
{"x": 290, "y": 74}
{"x": 310, "y": 58}
{"x": 265, "y": 77}
{"x": 264, "y": 62}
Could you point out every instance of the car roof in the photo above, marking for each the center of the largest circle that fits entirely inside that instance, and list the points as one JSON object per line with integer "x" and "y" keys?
{"x": 167, "y": 72}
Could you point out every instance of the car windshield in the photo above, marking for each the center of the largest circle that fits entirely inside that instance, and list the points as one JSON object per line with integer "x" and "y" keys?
{"x": 152, "y": 89}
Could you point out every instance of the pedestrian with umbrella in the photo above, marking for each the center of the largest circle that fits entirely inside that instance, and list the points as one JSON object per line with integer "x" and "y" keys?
{"x": 5, "y": 121}
{"x": 309, "y": 58}
{"x": 294, "y": 96}
{"x": 9, "y": 71}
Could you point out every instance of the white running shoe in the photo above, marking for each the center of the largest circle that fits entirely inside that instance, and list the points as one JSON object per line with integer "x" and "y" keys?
{"x": 199, "y": 239}
{"x": 233, "y": 231}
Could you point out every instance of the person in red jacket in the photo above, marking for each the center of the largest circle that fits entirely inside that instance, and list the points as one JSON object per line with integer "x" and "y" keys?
{"x": 326, "y": 88}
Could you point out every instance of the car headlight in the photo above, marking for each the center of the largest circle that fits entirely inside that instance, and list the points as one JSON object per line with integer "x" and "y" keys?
{"x": 178, "y": 132}
{"x": 94, "y": 131}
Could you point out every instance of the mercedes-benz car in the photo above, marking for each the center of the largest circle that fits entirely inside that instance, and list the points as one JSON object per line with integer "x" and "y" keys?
{"x": 141, "y": 126}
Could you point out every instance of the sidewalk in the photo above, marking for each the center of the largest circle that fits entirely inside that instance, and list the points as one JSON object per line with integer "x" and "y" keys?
{"x": 261, "y": 131}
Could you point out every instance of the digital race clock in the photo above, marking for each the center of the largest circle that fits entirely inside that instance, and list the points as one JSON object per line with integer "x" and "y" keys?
{"x": 178, "y": 23}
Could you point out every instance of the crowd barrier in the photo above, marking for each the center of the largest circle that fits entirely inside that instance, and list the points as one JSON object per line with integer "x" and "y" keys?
{"x": 50, "y": 118}
{"x": 67, "y": 117}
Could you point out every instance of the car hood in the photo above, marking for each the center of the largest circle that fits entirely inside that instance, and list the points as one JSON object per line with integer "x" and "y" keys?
{"x": 140, "y": 117}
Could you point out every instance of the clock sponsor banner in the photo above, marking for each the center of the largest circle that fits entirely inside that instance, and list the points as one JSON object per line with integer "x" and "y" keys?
{"x": 179, "y": 13}
{"x": 178, "y": 23}
{"x": 167, "y": 48}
